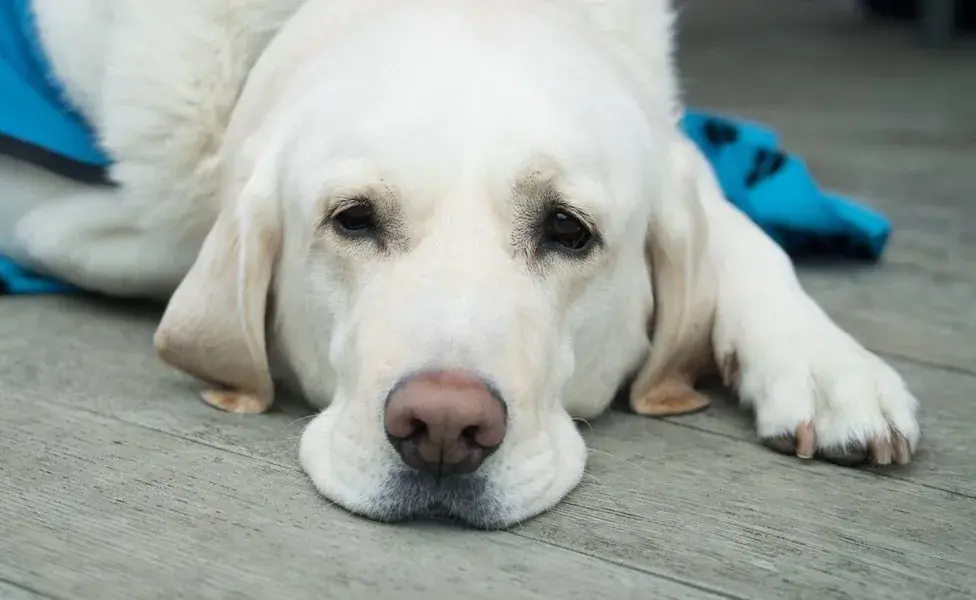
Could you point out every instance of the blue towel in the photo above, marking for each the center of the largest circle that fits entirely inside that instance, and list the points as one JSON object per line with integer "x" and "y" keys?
{"x": 36, "y": 123}
{"x": 772, "y": 187}
{"x": 777, "y": 191}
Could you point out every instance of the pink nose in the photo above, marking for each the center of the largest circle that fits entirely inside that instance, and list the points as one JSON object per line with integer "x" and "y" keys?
{"x": 445, "y": 422}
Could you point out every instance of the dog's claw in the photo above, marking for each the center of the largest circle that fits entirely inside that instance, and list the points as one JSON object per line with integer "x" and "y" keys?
{"x": 806, "y": 441}
{"x": 902, "y": 451}
{"x": 881, "y": 451}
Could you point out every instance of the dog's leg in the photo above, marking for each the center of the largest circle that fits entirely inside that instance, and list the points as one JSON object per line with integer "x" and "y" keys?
{"x": 814, "y": 389}
{"x": 23, "y": 188}
{"x": 92, "y": 241}
{"x": 89, "y": 235}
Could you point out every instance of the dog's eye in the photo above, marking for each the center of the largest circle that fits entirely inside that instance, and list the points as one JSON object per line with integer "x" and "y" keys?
{"x": 357, "y": 219}
{"x": 566, "y": 231}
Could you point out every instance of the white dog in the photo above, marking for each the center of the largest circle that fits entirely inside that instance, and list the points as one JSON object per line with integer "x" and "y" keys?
{"x": 454, "y": 224}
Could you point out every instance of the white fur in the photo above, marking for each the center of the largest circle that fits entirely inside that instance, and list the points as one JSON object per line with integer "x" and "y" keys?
{"x": 243, "y": 113}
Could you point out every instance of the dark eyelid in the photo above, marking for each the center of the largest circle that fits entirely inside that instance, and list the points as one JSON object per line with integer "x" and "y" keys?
{"x": 581, "y": 216}
{"x": 345, "y": 202}
{"x": 596, "y": 240}
{"x": 553, "y": 200}
{"x": 388, "y": 233}
{"x": 350, "y": 201}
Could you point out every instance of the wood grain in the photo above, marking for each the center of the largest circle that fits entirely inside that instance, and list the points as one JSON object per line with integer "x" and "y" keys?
{"x": 694, "y": 501}
{"x": 94, "y": 508}
{"x": 731, "y": 514}
{"x": 902, "y": 311}
{"x": 11, "y": 591}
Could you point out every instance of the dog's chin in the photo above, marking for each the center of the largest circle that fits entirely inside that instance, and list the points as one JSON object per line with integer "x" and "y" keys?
{"x": 468, "y": 500}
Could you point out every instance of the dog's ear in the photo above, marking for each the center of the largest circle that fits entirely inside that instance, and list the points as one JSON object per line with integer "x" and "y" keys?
{"x": 684, "y": 292}
{"x": 214, "y": 325}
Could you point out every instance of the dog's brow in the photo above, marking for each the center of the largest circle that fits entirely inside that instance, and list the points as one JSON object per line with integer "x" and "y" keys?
{"x": 540, "y": 171}
{"x": 545, "y": 186}
{"x": 536, "y": 183}
{"x": 379, "y": 193}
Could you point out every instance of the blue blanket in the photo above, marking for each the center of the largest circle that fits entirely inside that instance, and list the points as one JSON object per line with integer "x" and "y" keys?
{"x": 772, "y": 187}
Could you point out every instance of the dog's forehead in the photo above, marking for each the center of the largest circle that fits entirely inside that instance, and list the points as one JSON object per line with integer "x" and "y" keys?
{"x": 452, "y": 91}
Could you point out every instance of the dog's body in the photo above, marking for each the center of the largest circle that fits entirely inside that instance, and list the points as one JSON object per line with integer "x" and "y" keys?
{"x": 494, "y": 188}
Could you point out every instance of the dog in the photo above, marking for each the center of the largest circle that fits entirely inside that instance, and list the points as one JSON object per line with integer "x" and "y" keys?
{"x": 454, "y": 225}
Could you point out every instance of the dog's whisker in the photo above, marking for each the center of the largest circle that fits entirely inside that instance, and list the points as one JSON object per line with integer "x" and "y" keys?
{"x": 595, "y": 480}
{"x": 603, "y": 490}
{"x": 589, "y": 426}
{"x": 300, "y": 419}
{"x": 621, "y": 459}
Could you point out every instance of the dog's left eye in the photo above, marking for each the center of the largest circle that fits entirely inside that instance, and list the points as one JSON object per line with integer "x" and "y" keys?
{"x": 358, "y": 219}
{"x": 563, "y": 230}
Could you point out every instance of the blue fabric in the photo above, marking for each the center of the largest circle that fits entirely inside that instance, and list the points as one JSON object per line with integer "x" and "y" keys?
{"x": 32, "y": 107}
{"x": 772, "y": 187}
{"x": 777, "y": 191}
{"x": 14, "y": 279}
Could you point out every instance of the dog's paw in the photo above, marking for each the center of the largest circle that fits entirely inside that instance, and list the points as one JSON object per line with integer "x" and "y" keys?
{"x": 820, "y": 393}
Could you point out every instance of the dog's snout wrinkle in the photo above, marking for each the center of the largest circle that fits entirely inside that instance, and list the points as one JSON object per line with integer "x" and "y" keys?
{"x": 444, "y": 422}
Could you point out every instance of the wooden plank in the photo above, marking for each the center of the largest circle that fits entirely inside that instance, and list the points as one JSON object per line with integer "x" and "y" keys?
{"x": 908, "y": 313}
{"x": 95, "y": 508}
{"x": 731, "y": 514}
{"x": 695, "y": 506}
{"x": 98, "y": 356}
{"x": 11, "y": 591}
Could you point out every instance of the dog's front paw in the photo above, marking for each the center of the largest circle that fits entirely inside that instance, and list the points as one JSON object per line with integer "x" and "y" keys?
{"x": 819, "y": 393}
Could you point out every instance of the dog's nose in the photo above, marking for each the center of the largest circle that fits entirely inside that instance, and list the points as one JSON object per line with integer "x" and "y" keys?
{"x": 445, "y": 422}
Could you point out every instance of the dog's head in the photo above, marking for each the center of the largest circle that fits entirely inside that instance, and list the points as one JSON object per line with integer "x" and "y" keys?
{"x": 434, "y": 211}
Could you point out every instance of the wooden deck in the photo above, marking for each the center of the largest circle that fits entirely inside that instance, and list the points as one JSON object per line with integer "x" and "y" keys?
{"x": 117, "y": 483}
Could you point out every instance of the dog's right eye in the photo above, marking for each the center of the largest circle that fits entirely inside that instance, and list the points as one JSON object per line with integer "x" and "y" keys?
{"x": 564, "y": 231}
{"x": 358, "y": 219}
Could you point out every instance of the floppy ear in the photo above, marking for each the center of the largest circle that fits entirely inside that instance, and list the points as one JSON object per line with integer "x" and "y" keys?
{"x": 214, "y": 325}
{"x": 684, "y": 293}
